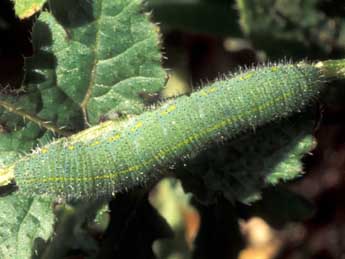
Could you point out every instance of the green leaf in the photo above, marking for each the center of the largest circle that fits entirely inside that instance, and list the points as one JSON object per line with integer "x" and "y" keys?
{"x": 22, "y": 223}
{"x": 19, "y": 135}
{"x": 26, "y": 8}
{"x": 173, "y": 204}
{"x": 71, "y": 231}
{"x": 96, "y": 57}
{"x": 107, "y": 55}
{"x": 241, "y": 168}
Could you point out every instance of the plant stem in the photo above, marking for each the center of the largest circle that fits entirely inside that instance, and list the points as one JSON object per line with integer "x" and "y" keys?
{"x": 40, "y": 122}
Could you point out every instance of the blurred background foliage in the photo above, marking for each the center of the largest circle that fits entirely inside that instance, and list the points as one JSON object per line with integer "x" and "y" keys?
{"x": 202, "y": 39}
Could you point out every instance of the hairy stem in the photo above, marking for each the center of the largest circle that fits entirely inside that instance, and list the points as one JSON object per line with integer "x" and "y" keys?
{"x": 27, "y": 116}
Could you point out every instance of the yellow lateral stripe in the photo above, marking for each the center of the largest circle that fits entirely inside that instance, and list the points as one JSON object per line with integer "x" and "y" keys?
{"x": 247, "y": 76}
{"x": 95, "y": 143}
{"x": 222, "y": 124}
{"x": 114, "y": 138}
{"x": 138, "y": 125}
{"x": 207, "y": 91}
{"x": 169, "y": 109}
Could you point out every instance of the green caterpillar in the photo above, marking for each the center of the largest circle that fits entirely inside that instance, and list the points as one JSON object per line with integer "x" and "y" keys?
{"x": 112, "y": 157}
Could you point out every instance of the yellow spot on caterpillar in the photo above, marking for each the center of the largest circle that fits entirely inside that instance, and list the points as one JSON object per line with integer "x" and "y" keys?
{"x": 169, "y": 109}
{"x": 137, "y": 126}
{"x": 44, "y": 150}
{"x": 207, "y": 91}
{"x": 247, "y": 76}
{"x": 88, "y": 135}
{"x": 211, "y": 89}
{"x": 95, "y": 143}
{"x": 115, "y": 137}
{"x": 70, "y": 147}
{"x": 203, "y": 93}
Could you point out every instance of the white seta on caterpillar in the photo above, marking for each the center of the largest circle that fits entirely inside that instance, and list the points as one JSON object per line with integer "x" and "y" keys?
{"x": 109, "y": 158}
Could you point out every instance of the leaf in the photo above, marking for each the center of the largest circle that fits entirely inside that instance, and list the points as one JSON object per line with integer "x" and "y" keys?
{"x": 71, "y": 232}
{"x": 26, "y": 8}
{"x": 18, "y": 135}
{"x": 174, "y": 205}
{"x": 23, "y": 222}
{"x": 241, "y": 168}
{"x": 56, "y": 95}
{"x": 107, "y": 55}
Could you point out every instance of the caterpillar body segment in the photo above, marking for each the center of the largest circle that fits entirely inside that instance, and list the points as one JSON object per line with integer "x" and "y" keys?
{"x": 109, "y": 158}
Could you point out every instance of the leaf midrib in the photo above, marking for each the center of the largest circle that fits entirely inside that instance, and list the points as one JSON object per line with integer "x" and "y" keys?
{"x": 88, "y": 93}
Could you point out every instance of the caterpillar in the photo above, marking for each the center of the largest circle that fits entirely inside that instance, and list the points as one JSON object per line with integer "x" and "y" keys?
{"x": 111, "y": 157}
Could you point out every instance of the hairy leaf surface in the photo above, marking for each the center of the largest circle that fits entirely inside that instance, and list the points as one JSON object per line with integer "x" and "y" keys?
{"x": 22, "y": 223}
{"x": 107, "y": 56}
{"x": 241, "y": 168}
